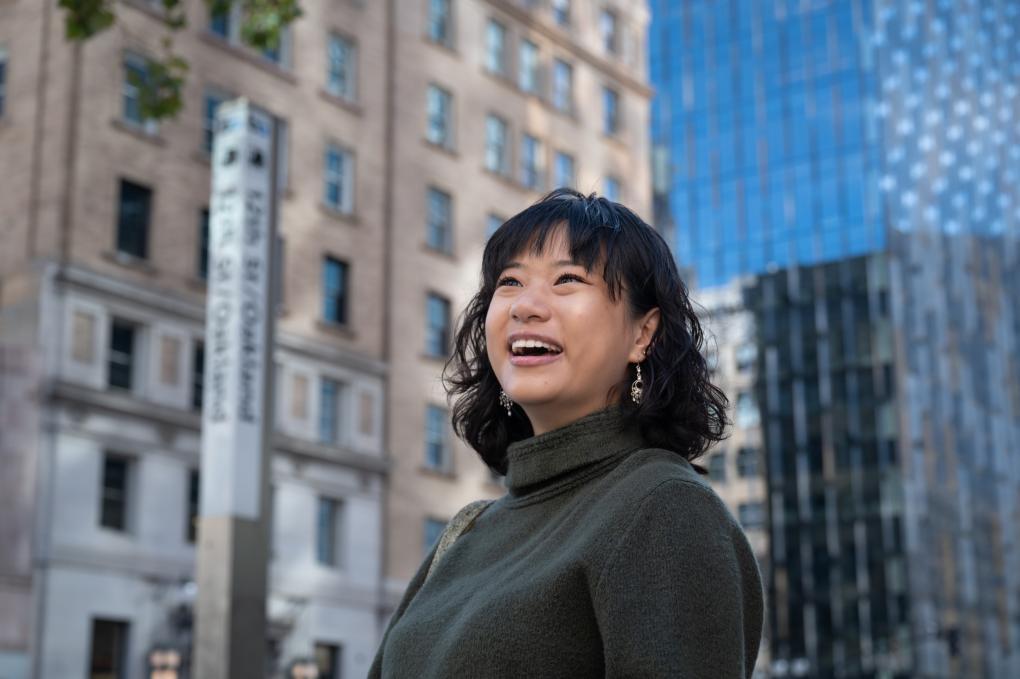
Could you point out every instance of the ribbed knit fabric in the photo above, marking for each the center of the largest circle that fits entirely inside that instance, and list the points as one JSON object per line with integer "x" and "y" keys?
{"x": 604, "y": 559}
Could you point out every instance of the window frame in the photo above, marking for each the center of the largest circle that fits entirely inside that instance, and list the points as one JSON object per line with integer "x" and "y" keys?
{"x": 499, "y": 164}
{"x": 610, "y": 111}
{"x": 121, "y": 653}
{"x": 123, "y": 495}
{"x": 436, "y": 438}
{"x": 334, "y": 411}
{"x": 495, "y": 55}
{"x": 339, "y": 300}
{"x": 122, "y": 242}
{"x": 433, "y": 228}
{"x": 349, "y": 93}
{"x": 129, "y": 91}
{"x": 557, "y": 167}
{"x": 329, "y": 543}
{"x": 562, "y": 95}
{"x": 132, "y": 360}
{"x": 532, "y": 165}
{"x": 445, "y": 36}
{"x": 439, "y": 123}
{"x": 342, "y": 178}
{"x": 528, "y": 68}
{"x": 435, "y": 301}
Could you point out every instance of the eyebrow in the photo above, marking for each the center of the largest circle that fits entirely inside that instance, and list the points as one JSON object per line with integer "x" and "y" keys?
{"x": 562, "y": 262}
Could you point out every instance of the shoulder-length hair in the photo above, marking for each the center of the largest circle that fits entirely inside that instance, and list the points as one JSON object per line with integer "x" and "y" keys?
{"x": 681, "y": 410}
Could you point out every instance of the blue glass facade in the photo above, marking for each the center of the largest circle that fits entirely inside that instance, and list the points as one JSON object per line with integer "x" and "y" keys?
{"x": 795, "y": 128}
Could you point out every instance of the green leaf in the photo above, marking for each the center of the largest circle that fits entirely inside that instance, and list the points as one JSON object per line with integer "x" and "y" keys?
{"x": 85, "y": 18}
{"x": 160, "y": 91}
{"x": 264, "y": 21}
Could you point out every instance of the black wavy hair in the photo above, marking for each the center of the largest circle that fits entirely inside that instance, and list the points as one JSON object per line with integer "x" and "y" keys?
{"x": 681, "y": 410}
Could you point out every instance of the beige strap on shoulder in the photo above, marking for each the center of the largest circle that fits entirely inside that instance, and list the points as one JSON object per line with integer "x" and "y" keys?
{"x": 461, "y": 523}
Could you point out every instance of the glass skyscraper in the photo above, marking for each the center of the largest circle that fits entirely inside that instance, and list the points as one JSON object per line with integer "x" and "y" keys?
{"x": 801, "y": 131}
{"x": 862, "y": 159}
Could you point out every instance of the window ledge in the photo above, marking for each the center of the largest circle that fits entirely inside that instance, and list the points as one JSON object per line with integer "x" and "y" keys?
{"x": 446, "y": 474}
{"x": 340, "y": 215}
{"x": 433, "y": 358}
{"x": 129, "y": 261}
{"x": 249, "y": 55}
{"x": 447, "y": 150}
{"x": 138, "y": 132}
{"x": 341, "y": 329}
{"x": 445, "y": 254}
{"x": 504, "y": 178}
{"x": 449, "y": 48}
{"x": 344, "y": 103}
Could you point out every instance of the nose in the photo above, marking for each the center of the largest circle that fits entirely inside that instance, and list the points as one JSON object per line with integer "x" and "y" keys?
{"x": 529, "y": 306}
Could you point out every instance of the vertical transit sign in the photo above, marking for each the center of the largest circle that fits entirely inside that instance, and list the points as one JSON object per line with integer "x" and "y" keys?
{"x": 236, "y": 314}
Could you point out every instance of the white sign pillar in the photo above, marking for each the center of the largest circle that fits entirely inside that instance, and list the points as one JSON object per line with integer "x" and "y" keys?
{"x": 229, "y": 639}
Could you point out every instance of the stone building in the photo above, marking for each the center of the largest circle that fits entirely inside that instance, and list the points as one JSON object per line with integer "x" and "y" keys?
{"x": 409, "y": 129}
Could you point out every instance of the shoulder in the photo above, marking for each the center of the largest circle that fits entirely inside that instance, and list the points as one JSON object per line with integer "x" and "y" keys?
{"x": 662, "y": 476}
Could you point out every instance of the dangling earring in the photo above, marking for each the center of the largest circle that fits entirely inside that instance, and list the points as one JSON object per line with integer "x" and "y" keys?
{"x": 637, "y": 386}
{"x": 504, "y": 400}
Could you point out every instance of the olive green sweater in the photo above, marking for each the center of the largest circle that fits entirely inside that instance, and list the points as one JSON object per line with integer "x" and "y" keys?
{"x": 604, "y": 559}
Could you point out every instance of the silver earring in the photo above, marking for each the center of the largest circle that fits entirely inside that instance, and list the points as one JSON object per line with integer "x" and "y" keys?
{"x": 504, "y": 400}
{"x": 637, "y": 386}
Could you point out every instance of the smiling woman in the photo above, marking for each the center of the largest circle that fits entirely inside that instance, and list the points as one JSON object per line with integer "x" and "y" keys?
{"x": 578, "y": 374}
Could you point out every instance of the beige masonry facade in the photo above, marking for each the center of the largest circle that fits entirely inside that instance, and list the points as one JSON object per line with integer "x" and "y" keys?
{"x": 393, "y": 176}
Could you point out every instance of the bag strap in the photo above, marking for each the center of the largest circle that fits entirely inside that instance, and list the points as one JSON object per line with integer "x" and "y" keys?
{"x": 461, "y": 523}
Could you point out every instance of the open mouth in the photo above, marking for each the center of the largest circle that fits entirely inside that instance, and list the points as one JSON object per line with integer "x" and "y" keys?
{"x": 534, "y": 348}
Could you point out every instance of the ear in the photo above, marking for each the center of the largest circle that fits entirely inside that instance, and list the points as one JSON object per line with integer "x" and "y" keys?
{"x": 646, "y": 327}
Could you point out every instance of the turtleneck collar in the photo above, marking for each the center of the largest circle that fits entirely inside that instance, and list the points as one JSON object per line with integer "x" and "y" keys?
{"x": 557, "y": 457}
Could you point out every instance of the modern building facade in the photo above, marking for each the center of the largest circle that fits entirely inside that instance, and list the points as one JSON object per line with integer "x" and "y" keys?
{"x": 408, "y": 130}
{"x": 861, "y": 160}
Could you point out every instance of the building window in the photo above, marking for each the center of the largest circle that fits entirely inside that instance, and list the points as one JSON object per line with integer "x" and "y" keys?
{"x": 717, "y": 466}
{"x": 495, "y": 47}
{"x": 610, "y": 38}
{"x": 436, "y": 446}
{"x": 439, "y": 229}
{"x": 563, "y": 86}
{"x": 328, "y": 535}
{"x": 113, "y": 510}
{"x": 227, "y": 25}
{"x": 193, "y": 495}
{"x": 3, "y": 79}
{"x": 531, "y": 162}
{"x": 341, "y": 77}
{"x": 441, "y": 22}
{"x": 433, "y": 530}
{"x": 203, "y": 244}
{"x": 527, "y": 72}
{"x": 437, "y": 331}
{"x": 109, "y": 656}
{"x": 751, "y": 514}
{"x": 328, "y": 658}
{"x": 197, "y": 375}
{"x": 121, "y": 362}
{"x": 611, "y": 188}
{"x": 211, "y": 102}
{"x": 561, "y": 12}
{"x": 747, "y": 462}
{"x": 339, "y": 179}
{"x": 136, "y": 73}
{"x": 746, "y": 354}
{"x": 747, "y": 410}
{"x": 329, "y": 411}
{"x": 334, "y": 291}
{"x": 133, "y": 216}
{"x": 496, "y": 135}
{"x": 439, "y": 113}
{"x": 610, "y": 111}
{"x": 564, "y": 168}
{"x": 493, "y": 222}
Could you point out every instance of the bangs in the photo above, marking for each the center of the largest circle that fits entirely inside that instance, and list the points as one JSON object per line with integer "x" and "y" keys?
{"x": 590, "y": 224}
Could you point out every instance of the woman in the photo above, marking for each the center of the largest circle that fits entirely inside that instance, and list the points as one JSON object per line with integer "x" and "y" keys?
{"x": 577, "y": 374}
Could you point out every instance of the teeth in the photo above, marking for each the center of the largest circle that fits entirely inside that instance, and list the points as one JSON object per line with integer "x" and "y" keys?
{"x": 519, "y": 345}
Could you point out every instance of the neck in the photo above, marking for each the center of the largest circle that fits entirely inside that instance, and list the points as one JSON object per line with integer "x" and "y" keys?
{"x": 545, "y": 418}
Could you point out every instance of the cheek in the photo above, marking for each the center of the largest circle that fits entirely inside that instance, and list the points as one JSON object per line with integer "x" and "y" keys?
{"x": 494, "y": 331}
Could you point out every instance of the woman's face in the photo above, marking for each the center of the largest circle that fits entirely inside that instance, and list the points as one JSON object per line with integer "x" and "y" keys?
{"x": 581, "y": 342}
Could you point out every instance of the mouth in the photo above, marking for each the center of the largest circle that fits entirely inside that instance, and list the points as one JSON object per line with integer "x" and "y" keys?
{"x": 528, "y": 352}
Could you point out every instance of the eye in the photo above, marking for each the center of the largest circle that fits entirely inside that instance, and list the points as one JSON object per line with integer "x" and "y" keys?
{"x": 570, "y": 277}
{"x": 507, "y": 280}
